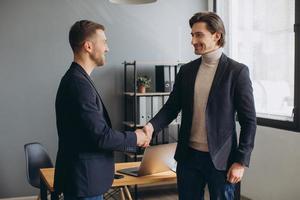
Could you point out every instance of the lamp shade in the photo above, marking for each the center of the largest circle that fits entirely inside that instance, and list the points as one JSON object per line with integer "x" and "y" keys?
{"x": 132, "y": 1}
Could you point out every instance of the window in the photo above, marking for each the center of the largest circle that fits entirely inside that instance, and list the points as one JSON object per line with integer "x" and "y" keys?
{"x": 262, "y": 34}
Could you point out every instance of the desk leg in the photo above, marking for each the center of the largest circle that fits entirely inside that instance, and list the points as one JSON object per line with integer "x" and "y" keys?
{"x": 127, "y": 193}
{"x": 43, "y": 190}
{"x": 122, "y": 193}
{"x": 136, "y": 192}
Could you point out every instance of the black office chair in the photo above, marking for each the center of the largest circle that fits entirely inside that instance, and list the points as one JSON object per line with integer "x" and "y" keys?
{"x": 36, "y": 158}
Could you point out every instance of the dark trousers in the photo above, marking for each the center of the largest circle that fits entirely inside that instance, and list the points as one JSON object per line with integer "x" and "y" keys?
{"x": 197, "y": 171}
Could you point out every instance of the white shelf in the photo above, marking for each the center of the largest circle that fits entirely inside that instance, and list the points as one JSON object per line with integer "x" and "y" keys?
{"x": 148, "y": 94}
{"x": 133, "y": 155}
{"x": 159, "y": 62}
{"x": 131, "y": 124}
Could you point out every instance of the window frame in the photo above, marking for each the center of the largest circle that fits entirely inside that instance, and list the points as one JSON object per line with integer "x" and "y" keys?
{"x": 280, "y": 124}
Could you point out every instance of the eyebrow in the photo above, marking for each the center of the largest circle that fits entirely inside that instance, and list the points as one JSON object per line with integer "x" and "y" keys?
{"x": 197, "y": 32}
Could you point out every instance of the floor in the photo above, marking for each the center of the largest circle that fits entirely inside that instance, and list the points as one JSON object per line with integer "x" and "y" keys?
{"x": 166, "y": 192}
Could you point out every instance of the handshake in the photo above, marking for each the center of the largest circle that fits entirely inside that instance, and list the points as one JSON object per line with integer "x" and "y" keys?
{"x": 144, "y": 135}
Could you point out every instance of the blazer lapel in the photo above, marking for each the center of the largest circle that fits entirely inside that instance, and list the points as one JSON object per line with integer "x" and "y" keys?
{"x": 92, "y": 83}
{"x": 218, "y": 76}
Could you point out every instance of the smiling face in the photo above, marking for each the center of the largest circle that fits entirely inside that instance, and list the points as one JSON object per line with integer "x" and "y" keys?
{"x": 203, "y": 40}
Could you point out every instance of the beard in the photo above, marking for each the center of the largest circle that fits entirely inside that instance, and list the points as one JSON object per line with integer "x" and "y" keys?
{"x": 99, "y": 60}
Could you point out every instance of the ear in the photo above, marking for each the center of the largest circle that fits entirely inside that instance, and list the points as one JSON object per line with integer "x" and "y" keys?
{"x": 87, "y": 46}
{"x": 217, "y": 36}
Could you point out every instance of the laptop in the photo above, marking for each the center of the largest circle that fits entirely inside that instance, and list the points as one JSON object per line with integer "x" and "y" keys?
{"x": 158, "y": 158}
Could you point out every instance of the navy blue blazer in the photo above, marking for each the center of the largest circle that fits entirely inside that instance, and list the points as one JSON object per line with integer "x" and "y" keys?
{"x": 231, "y": 93}
{"x": 86, "y": 141}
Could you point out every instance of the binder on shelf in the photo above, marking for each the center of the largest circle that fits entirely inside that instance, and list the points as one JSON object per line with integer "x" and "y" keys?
{"x": 165, "y": 136}
{"x": 178, "y": 119}
{"x": 141, "y": 113}
{"x": 172, "y": 77}
{"x": 165, "y": 77}
{"x": 149, "y": 112}
{"x": 129, "y": 109}
{"x": 172, "y": 137}
{"x": 162, "y": 77}
{"x": 165, "y": 99}
{"x": 157, "y": 104}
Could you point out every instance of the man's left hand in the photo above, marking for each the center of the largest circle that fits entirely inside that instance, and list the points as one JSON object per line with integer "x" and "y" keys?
{"x": 235, "y": 173}
{"x": 148, "y": 129}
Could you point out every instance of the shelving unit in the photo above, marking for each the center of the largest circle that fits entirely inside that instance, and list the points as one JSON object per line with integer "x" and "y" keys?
{"x": 147, "y": 94}
{"x": 132, "y": 123}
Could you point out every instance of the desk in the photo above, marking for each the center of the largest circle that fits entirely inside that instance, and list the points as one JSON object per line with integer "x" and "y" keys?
{"x": 47, "y": 179}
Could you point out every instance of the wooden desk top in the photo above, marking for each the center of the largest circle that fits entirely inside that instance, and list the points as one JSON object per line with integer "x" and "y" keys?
{"x": 48, "y": 176}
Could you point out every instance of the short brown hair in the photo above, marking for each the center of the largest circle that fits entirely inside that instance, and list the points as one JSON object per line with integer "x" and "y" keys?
{"x": 213, "y": 23}
{"x": 80, "y": 31}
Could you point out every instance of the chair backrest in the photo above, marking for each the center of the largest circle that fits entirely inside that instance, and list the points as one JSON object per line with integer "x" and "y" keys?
{"x": 36, "y": 158}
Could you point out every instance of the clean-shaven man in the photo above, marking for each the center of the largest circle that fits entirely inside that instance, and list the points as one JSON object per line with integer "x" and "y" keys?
{"x": 209, "y": 91}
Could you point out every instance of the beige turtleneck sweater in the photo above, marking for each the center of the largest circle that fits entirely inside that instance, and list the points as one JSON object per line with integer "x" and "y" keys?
{"x": 204, "y": 79}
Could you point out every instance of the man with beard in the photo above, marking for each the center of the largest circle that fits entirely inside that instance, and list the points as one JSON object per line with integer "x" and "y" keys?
{"x": 85, "y": 164}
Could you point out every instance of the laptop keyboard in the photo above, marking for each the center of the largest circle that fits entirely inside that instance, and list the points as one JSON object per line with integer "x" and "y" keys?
{"x": 134, "y": 169}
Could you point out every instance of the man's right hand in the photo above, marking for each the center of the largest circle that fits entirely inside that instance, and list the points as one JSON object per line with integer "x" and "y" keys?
{"x": 141, "y": 138}
{"x": 148, "y": 129}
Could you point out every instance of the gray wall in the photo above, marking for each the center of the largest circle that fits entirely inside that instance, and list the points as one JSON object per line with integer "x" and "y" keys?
{"x": 34, "y": 54}
{"x": 274, "y": 172}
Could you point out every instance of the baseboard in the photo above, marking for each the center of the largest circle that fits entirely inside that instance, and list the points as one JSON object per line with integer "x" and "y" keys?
{"x": 244, "y": 198}
{"x": 21, "y": 198}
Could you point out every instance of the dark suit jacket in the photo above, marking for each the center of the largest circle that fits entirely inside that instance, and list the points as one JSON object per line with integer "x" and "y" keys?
{"x": 85, "y": 162}
{"x": 231, "y": 92}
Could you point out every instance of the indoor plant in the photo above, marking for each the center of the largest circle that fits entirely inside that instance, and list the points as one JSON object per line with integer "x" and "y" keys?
{"x": 143, "y": 82}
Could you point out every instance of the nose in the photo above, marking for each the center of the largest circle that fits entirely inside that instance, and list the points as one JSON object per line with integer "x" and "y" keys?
{"x": 193, "y": 41}
{"x": 106, "y": 49}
